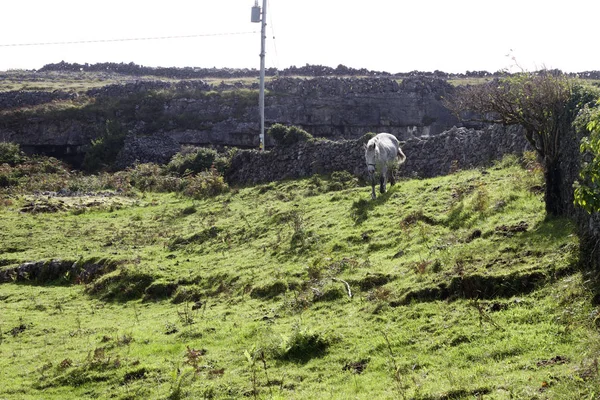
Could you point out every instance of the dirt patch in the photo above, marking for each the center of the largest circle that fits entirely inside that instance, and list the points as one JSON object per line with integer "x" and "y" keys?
{"x": 122, "y": 286}
{"x": 553, "y": 361}
{"x": 356, "y": 367}
{"x": 38, "y": 206}
{"x": 18, "y": 329}
{"x": 269, "y": 290}
{"x": 415, "y": 217}
{"x": 51, "y": 202}
{"x": 67, "y": 271}
{"x": 509, "y": 230}
{"x": 196, "y": 238}
{"x": 482, "y": 286}
{"x": 371, "y": 281}
{"x": 476, "y": 234}
{"x": 159, "y": 290}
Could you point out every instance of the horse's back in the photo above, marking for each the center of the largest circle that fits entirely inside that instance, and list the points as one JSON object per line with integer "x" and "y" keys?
{"x": 384, "y": 136}
{"x": 388, "y": 146}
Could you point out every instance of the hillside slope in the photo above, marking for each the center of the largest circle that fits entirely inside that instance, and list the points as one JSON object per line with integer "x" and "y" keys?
{"x": 444, "y": 288}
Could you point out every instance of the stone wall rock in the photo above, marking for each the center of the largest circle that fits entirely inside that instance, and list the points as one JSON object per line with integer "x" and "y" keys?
{"x": 157, "y": 149}
{"x": 20, "y": 98}
{"x": 425, "y": 156}
{"x": 328, "y": 107}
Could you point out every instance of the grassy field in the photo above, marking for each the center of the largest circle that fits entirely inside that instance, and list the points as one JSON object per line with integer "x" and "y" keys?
{"x": 456, "y": 287}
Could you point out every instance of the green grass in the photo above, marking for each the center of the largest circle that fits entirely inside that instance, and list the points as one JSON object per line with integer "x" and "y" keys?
{"x": 460, "y": 288}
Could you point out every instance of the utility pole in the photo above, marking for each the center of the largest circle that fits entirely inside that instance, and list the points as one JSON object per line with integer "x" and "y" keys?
{"x": 256, "y": 17}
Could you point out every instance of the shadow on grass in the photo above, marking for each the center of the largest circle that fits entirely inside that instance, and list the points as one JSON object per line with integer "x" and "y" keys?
{"x": 359, "y": 212}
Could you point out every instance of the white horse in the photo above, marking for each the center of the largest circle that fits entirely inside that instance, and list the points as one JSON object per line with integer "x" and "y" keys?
{"x": 383, "y": 155}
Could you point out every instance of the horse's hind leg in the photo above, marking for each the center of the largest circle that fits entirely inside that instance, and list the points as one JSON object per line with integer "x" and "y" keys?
{"x": 392, "y": 178}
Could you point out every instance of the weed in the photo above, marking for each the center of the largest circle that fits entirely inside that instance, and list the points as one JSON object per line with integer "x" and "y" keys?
{"x": 421, "y": 266}
{"x": 252, "y": 356}
{"x": 187, "y": 315}
{"x": 359, "y": 210}
{"x": 481, "y": 200}
{"x": 193, "y": 357}
{"x": 251, "y": 360}
{"x": 170, "y": 328}
{"x": 302, "y": 345}
{"x": 401, "y": 386}
{"x": 178, "y": 380}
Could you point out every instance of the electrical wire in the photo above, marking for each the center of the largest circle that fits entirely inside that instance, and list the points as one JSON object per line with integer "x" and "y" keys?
{"x": 126, "y": 39}
{"x": 275, "y": 63}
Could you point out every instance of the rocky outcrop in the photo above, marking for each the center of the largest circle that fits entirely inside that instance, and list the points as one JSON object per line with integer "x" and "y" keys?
{"x": 145, "y": 149}
{"x": 343, "y": 108}
{"x": 194, "y": 113}
{"x": 57, "y": 270}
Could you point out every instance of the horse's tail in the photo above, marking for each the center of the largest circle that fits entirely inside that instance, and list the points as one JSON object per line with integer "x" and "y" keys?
{"x": 401, "y": 156}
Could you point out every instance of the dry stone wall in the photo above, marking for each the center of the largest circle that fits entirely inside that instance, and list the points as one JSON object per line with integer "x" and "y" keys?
{"x": 426, "y": 156}
{"x": 19, "y": 98}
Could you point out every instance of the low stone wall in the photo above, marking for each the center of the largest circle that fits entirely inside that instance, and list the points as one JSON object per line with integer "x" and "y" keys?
{"x": 426, "y": 156}
{"x": 20, "y": 98}
{"x": 143, "y": 86}
{"x": 588, "y": 225}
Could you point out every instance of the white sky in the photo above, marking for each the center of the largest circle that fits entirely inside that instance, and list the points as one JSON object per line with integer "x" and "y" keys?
{"x": 384, "y": 35}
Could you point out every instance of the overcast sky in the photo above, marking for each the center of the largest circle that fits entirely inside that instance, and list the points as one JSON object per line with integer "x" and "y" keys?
{"x": 384, "y": 35}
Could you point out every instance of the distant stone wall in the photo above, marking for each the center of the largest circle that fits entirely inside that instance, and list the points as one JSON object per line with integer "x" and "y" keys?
{"x": 19, "y": 98}
{"x": 119, "y": 90}
{"x": 425, "y": 156}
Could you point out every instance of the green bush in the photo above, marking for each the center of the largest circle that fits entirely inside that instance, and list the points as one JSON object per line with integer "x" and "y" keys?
{"x": 150, "y": 177}
{"x": 10, "y": 153}
{"x": 341, "y": 180}
{"x": 302, "y": 345}
{"x": 7, "y": 177}
{"x": 366, "y": 137}
{"x": 195, "y": 160}
{"x": 587, "y": 187}
{"x": 104, "y": 149}
{"x": 205, "y": 184}
{"x": 287, "y": 136}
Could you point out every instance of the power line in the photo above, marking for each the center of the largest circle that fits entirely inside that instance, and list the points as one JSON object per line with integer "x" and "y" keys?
{"x": 276, "y": 58}
{"x": 126, "y": 39}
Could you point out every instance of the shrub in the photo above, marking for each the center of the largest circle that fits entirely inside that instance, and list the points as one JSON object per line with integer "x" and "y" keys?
{"x": 104, "y": 149}
{"x": 10, "y": 153}
{"x": 205, "y": 184}
{"x": 366, "y": 137}
{"x": 150, "y": 177}
{"x": 341, "y": 180}
{"x": 587, "y": 187}
{"x": 278, "y": 133}
{"x": 195, "y": 160}
{"x": 302, "y": 345}
{"x": 286, "y": 136}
